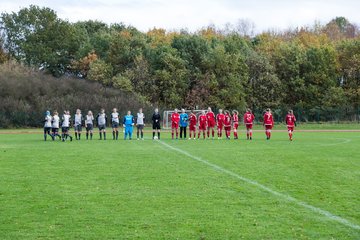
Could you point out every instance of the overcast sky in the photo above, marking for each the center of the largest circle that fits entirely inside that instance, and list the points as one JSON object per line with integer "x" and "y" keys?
{"x": 194, "y": 14}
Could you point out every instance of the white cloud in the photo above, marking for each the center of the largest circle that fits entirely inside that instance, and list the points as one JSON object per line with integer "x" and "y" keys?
{"x": 177, "y": 14}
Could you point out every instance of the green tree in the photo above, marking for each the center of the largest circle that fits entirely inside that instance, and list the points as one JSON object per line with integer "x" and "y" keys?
{"x": 125, "y": 46}
{"x": 231, "y": 73}
{"x": 349, "y": 60}
{"x": 170, "y": 76}
{"x": 100, "y": 72}
{"x": 122, "y": 82}
{"x": 288, "y": 59}
{"x": 320, "y": 73}
{"x": 39, "y": 38}
{"x": 263, "y": 86}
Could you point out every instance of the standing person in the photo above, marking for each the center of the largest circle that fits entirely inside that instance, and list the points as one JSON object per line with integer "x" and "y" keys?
{"x": 202, "y": 124}
{"x": 183, "y": 123}
{"x": 47, "y": 125}
{"x": 192, "y": 124}
{"x": 268, "y": 123}
{"x": 140, "y": 124}
{"x": 128, "y": 124}
{"x": 220, "y": 118}
{"x": 156, "y": 118}
{"x": 55, "y": 125}
{"x": 78, "y": 119}
{"x": 175, "y": 119}
{"x": 89, "y": 124}
{"x": 227, "y": 124}
{"x": 290, "y": 120}
{"x": 101, "y": 122}
{"x": 248, "y": 121}
{"x": 65, "y": 126}
{"x": 235, "y": 120}
{"x": 115, "y": 123}
{"x": 211, "y": 122}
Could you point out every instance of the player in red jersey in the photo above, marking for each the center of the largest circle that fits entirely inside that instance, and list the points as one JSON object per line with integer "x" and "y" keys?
{"x": 235, "y": 120}
{"x": 175, "y": 119}
{"x": 227, "y": 124}
{"x": 290, "y": 120}
{"x": 211, "y": 122}
{"x": 268, "y": 123}
{"x": 220, "y": 118}
{"x": 202, "y": 124}
{"x": 192, "y": 124}
{"x": 248, "y": 121}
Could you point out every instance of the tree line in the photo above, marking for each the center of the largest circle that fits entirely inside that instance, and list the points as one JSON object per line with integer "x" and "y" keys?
{"x": 315, "y": 68}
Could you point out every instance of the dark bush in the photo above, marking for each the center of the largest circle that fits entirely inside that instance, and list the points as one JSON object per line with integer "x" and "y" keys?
{"x": 25, "y": 95}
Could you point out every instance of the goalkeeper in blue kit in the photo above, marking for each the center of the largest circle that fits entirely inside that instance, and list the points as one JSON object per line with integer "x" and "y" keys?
{"x": 128, "y": 124}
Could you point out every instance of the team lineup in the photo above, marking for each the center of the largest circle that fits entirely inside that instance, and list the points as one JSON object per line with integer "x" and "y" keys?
{"x": 199, "y": 126}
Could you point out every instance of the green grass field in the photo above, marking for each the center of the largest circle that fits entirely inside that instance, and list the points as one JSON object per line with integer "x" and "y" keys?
{"x": 213, "y": 189}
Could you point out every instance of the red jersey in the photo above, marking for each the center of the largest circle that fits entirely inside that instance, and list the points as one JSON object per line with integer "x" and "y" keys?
{"x": 235, "y": 118}
{"x": 175, "y": 118}
{"x": 192, "y": 120}
{"x": 249, "y": 118}
{"x": 290, "y": 120}
{"x": 220, "y": 118}
{"x": 227, "y": 121}
{"x": 268, "y": 119}
{"x": 210, "y": 116}
{"x": 202, "y": 119}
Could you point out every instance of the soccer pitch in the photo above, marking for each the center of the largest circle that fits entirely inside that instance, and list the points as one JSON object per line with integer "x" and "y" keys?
{"x": 194, "y": 189}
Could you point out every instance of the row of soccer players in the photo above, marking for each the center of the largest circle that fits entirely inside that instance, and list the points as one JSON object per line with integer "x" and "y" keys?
{"x": 53, "y": 123}
{"x": 224, "y": 120}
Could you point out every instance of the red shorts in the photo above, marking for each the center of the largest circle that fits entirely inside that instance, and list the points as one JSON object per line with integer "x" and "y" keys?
{"x": 211, "y": 124}
{"x": 236, "y": 125}
{"x": 192, "y": 127}
{"x": 202, "y": 127}
{"x": 220, "y": 126}
{"x": 249, "y": 126}
{"x": 290, "y": 128}
{"x": 174, "y": 125}
{"x": 268, "y": 127}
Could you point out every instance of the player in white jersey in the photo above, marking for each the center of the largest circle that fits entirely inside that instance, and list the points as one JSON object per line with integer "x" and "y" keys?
{"x": 47, "y": 125}
{"x": 65, "y": 126}
{"x": 115, "y": 123}
{"x": 55, "y": 125}
{"x": 78, "y": 119}
{"x": 101, "y": 122}
{"x": 140, "y": 124}
{"x": 89, "y": 124}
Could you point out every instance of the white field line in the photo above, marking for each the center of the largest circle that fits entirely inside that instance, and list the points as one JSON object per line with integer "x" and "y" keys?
{"x": 288, "y": 198}
{"x": 344, "y": 141}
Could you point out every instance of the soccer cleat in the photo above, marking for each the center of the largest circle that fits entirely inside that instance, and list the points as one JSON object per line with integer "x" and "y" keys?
{"x": 137, "y": 139}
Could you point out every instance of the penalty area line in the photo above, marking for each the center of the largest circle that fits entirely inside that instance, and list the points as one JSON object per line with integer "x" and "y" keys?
{"x": 286, "y": 197}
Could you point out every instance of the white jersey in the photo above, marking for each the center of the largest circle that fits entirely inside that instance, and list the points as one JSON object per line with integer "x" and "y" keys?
{"x": 101, "y": 119}
{"x": 89, "y": 119}
{"x": 55, "y": 122}
{"x": 48, "y": 120}
{"x": 140, "y": 119}
{"x": 115, "y": 117}
{"x": 66, "y": 120}
{"x": 78, "y": 119}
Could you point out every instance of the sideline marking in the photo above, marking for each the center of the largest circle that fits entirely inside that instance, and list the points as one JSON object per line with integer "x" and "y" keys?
{"x": 344, "y": 141}
{"x": 320, "y": 211}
